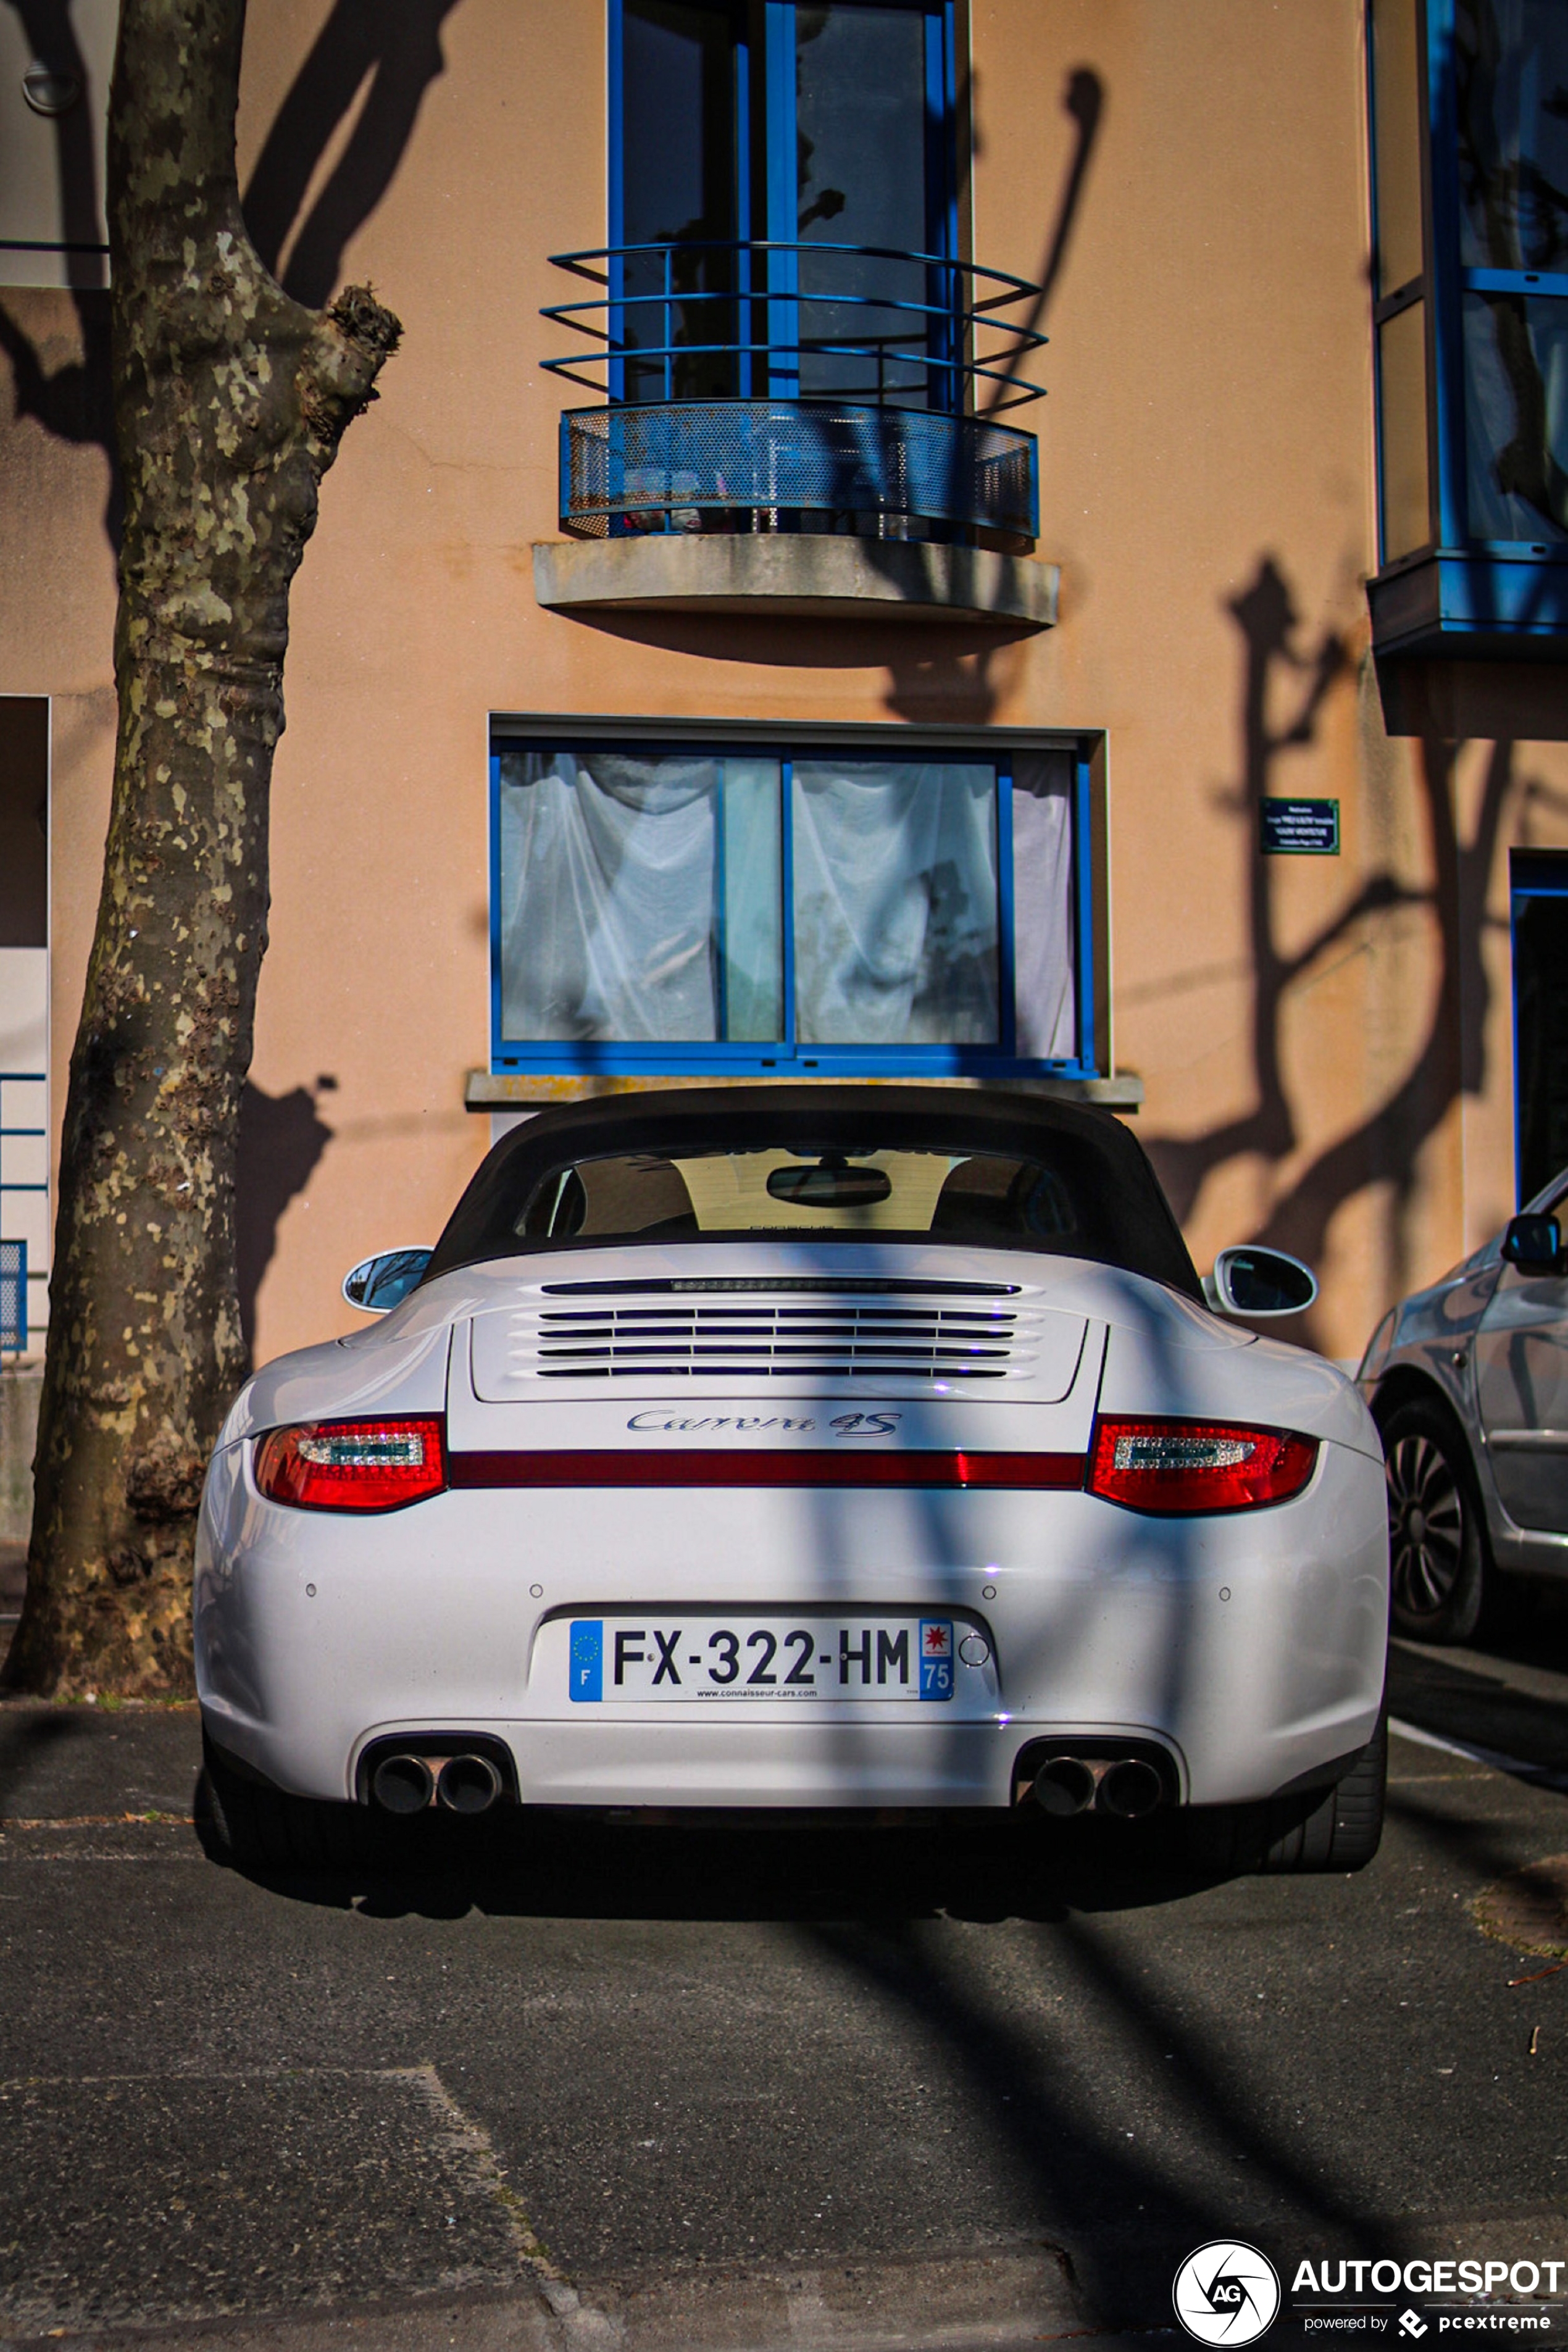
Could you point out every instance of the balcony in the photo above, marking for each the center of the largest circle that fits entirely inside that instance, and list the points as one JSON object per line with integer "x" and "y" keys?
{"x": 760, "y": 389}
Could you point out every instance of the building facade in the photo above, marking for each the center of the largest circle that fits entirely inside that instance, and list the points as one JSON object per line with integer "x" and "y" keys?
{"x": 1011, "y": 541}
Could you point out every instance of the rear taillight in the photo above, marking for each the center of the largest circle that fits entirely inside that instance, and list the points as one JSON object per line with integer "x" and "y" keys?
{"x": 1197, "y": 1465}
{"x": 353, "y": 1465}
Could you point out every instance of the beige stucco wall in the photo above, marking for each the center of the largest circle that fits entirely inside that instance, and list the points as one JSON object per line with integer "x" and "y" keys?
{"x": 1206, "y": 464}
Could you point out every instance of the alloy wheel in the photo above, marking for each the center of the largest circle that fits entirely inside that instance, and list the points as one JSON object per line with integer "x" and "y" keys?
{"x": 1426, "y": 1525}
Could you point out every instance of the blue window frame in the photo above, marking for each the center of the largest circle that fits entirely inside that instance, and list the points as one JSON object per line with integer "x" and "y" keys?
{"x": 782, "y": 328}
{"x": 782, "y": 200}
{"x": 858, "y": 907}
{"x": 1469, "y": 115}
{"x": 1538, "y": 891}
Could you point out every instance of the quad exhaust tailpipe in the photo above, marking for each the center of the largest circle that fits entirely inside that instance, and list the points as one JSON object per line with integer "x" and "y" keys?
{"x": 1064, "y": 1786}
{"x": 1129, "y": 1790}
{"x": 1127, "y": 1787}
{"x": 403, "y": 1784}
{"x": 468, "y": 1784}
{"x": 406, "y": 1784}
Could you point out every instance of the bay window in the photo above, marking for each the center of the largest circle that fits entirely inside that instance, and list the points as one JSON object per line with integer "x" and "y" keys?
{"x": 1469, "y": 117}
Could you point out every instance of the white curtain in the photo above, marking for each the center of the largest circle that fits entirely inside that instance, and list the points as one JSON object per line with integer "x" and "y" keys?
{"x": 606, "y": 885}
{"x": 1045, "y": 997}
{"x": 616, "y": 923}
{"x": 895, "y": 899}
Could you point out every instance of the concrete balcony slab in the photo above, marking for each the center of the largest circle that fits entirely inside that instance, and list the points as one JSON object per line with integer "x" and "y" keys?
{"x": 796, "y": 574}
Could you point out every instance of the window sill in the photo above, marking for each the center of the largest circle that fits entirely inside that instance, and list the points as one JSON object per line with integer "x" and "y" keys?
{"x": 486, "y": 1090}
{"x": 807, "y": 575}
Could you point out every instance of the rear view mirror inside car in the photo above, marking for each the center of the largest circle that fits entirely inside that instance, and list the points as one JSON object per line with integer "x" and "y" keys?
{"x": 832, "y": 1183}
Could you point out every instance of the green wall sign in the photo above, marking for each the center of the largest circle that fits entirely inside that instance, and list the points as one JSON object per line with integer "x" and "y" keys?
{"x": 1301, "y": 828}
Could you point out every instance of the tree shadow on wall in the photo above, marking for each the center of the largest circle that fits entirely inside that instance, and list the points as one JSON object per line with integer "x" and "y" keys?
{"x": 959, "y": 679}
{"x": 1084, "y": 101}
{"x": 281, "y": 1138}
{"x": 1385, "y": 1146}
{"x": 71, "y": 402}
{"x": 391, "y": 54}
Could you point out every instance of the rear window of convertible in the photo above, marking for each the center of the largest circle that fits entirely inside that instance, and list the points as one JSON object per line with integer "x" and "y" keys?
{"x": 1072, "y": 1194}
{"x": 831, "y": 1195}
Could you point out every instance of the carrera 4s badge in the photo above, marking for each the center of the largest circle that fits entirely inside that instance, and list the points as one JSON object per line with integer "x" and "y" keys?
{"x": 748, "y": 1424}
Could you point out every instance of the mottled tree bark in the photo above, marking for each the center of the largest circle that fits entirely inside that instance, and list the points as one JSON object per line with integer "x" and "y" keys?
{"x": 230, "y": 399}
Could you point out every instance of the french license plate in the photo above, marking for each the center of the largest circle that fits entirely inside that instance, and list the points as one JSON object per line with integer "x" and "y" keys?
{"x": 760, "y": 1659}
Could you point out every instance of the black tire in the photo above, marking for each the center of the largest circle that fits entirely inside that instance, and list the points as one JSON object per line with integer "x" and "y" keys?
{"x": 1436, "y": 1526}
{"x": 263, "y": 1827}
{"x": 1299, "y": 1836}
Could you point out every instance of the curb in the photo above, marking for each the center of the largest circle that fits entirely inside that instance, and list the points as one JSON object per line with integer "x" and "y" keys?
{"x": 992, "y": 2302}
{"x": 1017, "y": 2294}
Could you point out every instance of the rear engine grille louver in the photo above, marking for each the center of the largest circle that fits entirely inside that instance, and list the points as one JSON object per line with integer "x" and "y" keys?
{"x": 834, "y": 1338}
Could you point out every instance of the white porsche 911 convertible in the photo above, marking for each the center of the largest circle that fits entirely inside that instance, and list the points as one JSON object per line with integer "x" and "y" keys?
{"x": 804, "y": 1451}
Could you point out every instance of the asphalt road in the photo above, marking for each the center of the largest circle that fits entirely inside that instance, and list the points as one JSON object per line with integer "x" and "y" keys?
{"x": 624, "y": 2063}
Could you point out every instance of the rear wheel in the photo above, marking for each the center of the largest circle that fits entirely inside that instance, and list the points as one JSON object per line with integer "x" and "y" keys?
{"x": 263, "y": 1827}
{"x": 1437, "y": 1538}
{"x": 1297, "y": 1837}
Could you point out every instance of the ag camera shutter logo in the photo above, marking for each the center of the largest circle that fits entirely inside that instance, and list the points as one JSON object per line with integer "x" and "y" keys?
{"x": 1226, "y": 2293}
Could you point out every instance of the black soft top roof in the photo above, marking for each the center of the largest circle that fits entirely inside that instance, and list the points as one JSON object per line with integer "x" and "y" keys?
{"x": 1133, "y": 1226}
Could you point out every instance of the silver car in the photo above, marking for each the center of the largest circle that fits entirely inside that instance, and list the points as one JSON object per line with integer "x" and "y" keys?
{"x": 1468, "y": 1384}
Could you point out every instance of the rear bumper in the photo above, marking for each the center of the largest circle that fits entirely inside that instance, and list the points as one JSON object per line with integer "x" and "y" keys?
{"x": 1250, "y": 1647}
{"x": 717, "y": 1767}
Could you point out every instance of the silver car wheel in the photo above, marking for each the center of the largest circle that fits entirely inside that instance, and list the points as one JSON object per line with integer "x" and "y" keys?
{"x": 1426, "y": 1525}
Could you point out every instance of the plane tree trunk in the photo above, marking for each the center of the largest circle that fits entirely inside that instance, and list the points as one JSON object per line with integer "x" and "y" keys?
{"x": 230, "y": 399}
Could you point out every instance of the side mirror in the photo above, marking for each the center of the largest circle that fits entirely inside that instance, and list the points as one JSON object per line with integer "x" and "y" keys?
{"x": 379, "y": 1284}
{"x": 1534, "y": 1244}
{"x": 1254, "y": 1282}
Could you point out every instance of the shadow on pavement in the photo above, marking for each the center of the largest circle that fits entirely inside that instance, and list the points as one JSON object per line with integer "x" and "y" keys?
{"x": 1050, "y": 2078}
{"x": 1457, "y": 1695}
{"x": 742, "y": 1870}
{"x": 28, "y": 1742}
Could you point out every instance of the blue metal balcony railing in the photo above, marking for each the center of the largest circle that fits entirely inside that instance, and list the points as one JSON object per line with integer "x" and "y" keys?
{"x": 692, "y": 290}
{"x": 763, "y": 465}
{"x": 13, "y": 1296}
{"x": 774, "y": 387}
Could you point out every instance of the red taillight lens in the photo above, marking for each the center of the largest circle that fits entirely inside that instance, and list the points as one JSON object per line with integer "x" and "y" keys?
{"x": 353, "y": 1465}
{"x": 1197, "y": 1465}
{"x": 754, "y": 1467}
